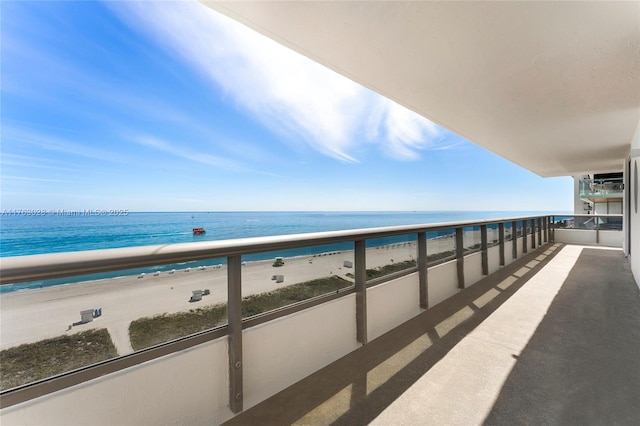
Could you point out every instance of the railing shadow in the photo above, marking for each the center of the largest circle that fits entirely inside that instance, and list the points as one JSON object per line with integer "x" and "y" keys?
{"x": 582, "y": 365}
{"x": 358, "y": 387}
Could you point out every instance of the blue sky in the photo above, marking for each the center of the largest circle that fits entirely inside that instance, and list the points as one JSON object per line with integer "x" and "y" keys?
{"x": 171, "y": 107}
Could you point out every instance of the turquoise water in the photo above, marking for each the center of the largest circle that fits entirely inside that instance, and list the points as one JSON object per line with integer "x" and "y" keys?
{"x": 26, "y": 235}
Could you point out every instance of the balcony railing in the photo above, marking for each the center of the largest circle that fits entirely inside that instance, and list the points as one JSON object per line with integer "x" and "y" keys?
{"x": 593, "y": 189}
{"x": 419, "y": 250}
{"x": 605, "y": 229}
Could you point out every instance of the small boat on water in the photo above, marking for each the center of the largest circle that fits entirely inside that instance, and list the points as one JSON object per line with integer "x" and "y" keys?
{"x": 198, "y": 231}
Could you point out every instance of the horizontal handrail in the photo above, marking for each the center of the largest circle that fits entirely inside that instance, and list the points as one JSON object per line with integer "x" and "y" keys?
{"x": 57, "y": 265}
{"x": 588, "y": 216}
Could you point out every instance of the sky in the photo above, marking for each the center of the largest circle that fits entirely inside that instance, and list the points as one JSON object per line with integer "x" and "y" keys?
{"x": 170, "y": 106}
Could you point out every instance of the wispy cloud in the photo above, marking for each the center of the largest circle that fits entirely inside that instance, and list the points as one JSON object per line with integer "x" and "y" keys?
{"x": 20, "y": 136}
{"x": 403, "y": 131}
{"x": 288, "y": 93}
{"x": 162, "y": 145}
{"x": 191, "y": 155}
{"x": 36, "y": 163}
{"x": 10, "y": 178}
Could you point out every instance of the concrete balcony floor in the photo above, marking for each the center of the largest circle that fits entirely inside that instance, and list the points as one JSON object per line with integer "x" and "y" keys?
{"x": 553, "y": 339}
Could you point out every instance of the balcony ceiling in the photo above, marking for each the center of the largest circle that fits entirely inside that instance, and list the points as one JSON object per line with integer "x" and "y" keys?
{"x": 552, "y": 86}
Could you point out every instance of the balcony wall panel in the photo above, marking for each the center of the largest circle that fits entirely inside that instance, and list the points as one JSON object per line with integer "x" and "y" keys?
{"x": 508, "y": 250}
{"x": 187, "y": 387}
{"x": 281, "y": 352}
{"x": 443, "y": 282}
{"x": 494, "y": 258}
{"x": 611, "y": 238}
{"x": 575, "y": 236}
{"x": 472, "y": 269}
{"x": 391, "y": 304}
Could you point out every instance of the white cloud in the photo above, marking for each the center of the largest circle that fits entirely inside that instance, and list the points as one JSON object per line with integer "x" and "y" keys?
{"x": 287, "y": 92}
{"x": 404, "y": 132}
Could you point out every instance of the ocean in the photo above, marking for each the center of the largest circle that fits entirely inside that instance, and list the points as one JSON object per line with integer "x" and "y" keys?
{"x": 58, "y": 231}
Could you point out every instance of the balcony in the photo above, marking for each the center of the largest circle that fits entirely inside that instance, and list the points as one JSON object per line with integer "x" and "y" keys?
{"x": 552, "y": 339}
{"x": 598, "y": 190}
{"x": 363, "y": 351}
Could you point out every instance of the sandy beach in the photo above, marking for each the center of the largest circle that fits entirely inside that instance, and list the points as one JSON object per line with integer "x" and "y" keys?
{"x": 33, "y": 315}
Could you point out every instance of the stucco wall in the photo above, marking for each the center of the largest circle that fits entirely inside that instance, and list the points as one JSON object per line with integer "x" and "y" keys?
{"x": 443, "y": 282}
{"x": 634, "y": 216}
{"x": 391, "y": 304}
{"x": 279, "y": 353}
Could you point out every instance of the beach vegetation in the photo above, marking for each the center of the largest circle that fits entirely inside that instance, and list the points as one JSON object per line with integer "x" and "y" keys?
{"x": 432, "y": 258}
{"x": 150, "y": 331}
{"x": 264, "y": 302}
{"x": 400, "y": 266}
{"x": 31, "y": 362}
{"x": 387, "y": 269}
{"x": 390, "y": 269}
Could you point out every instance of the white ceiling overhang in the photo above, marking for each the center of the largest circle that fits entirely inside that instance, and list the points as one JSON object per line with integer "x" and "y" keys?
{"x": 551, "y": 86}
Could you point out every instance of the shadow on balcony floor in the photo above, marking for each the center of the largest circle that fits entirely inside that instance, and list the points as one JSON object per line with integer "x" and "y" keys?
{"x": 384, "y": 381}
{"x": 582, "y": 365}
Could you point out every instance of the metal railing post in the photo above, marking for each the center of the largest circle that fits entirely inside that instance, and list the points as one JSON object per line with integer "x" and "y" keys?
{"x": 234, "y": 312}
{"x": 539, "y": 231}
{"x": 514, "y": 239}
{"x": 533, "y": 234}
{"x": 524, "y": 236}
{"x": 501, "y": 242}
{"x": 597, "y": 230}
{"x": 552, "y": 233}
{"x": 484, "y": 247}
{"x": 361, "y": 291}
{"x": 422, "y": 270}
{"x": 460, "y": 256}
{"x": 545, "y": 223}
